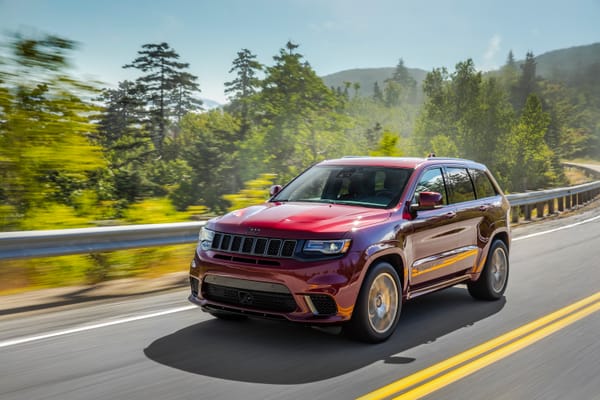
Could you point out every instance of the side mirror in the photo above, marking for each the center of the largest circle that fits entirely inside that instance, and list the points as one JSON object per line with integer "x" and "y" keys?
{"x": 427, "y": 201}
{"x": 273, "y": 190}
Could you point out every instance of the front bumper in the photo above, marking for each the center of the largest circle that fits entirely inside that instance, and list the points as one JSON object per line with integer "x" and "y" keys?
{"x": 322, "y": 292}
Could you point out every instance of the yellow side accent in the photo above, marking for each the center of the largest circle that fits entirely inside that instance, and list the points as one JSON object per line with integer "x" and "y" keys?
{"x": 448, "y": 262}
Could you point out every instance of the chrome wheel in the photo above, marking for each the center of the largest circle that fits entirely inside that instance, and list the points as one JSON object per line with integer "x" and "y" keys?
{"x": 499, "y": 269}
{"x": 383, "y": 303}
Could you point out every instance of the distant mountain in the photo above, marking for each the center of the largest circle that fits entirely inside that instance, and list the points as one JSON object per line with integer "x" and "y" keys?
{"x": 566, "y": 64}
{"x": 367, "y": 77}
{"x": 209, "y": 104}
{"x": 562, "y": 65}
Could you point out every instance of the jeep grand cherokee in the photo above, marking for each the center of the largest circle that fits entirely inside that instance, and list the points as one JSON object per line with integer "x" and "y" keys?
{"x": 349, "y": 240}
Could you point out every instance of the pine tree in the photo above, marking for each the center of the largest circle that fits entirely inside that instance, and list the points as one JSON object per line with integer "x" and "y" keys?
{"x": 167, "y": 86}
{"x": 243, "y": 88}
{"x": 405, "y": 88}
{"x": 526, "y": 84}
{"x": 300, "y": 122}
{"x": 509, "y": 72}
{"x": 377, "y": 93}
{"x": 128, "y": 146}
{"x": 402, "y": 76}
{"x": 182, "y": 95}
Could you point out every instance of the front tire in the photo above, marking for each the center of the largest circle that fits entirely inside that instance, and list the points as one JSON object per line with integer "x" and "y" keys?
{"x": 378, "y": 306}
{"x": 494, "y": 277}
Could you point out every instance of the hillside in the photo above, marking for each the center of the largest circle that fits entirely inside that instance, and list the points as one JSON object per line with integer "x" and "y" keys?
{"x": 566, "y": 64}
{"x": 367, "y": 77}
{"x": 560, "y": 65}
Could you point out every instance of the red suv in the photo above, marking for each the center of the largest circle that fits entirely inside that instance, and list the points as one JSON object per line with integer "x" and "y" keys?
{"x": 349, "y": 240}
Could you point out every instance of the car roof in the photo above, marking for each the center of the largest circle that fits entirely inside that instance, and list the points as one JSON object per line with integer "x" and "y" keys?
{"x": 400, "y": 162}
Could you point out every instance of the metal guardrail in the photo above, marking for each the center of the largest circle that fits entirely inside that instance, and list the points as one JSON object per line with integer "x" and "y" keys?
{"x": 31, "y": 244}
{"x": 548, "y": 201}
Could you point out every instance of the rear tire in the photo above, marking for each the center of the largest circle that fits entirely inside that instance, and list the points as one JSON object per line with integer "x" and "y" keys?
{"x": 494, "y": 277}
{"x": 378, "y": 306}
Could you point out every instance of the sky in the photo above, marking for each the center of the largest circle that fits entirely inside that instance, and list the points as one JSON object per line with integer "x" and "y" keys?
{"x": 333, "y": 35}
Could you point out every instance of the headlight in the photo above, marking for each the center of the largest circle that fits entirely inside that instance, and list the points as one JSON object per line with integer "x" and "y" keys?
{"x": 327, "y": 246}
{"x": 205, "y": 238}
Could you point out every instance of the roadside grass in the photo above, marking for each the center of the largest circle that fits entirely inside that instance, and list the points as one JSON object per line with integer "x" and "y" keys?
{"x": 17, "y": 276}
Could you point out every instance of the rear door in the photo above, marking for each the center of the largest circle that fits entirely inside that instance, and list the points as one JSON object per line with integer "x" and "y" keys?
{"x": 436, "y": 235}
{"x": 470, "y": 212}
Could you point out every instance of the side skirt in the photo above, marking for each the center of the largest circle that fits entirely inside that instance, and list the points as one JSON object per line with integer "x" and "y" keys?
{"x": 436, "y": 286}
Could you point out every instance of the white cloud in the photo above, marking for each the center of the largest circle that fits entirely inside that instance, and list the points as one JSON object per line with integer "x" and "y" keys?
{"x": 491, "y": 52}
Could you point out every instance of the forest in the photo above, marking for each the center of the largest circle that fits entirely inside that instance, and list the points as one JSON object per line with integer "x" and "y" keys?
{"x": 75, "y": 153}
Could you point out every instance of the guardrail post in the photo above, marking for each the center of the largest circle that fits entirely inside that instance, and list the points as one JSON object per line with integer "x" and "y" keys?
{"x": 568, "y": 202}
{"x": 540, "y": 210}
{"x": 527, "y": 212}
{"x": 514, "y": 212}
{"x": 551, "y": 207}
{"x": 561, "y": 204}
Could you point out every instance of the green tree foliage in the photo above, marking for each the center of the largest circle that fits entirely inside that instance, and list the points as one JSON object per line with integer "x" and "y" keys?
{"x": 392, "y": 93}
{"x": 243, "y": 88}
{"x": 401, "y": 88}
{"x": 389, "y": 146}
{"x": 207, "y": 145}
{"x": 377, "y": 93}
{"x": 530, "y": 155}
{"x": 526, "y": 84}
{"x": 127, "y": 144}
{"x": 255, "y": 192}
{"x": 167, "y": 87}
{"x": 299, "y": 122}
{"x": 46, "y": 154}
{"x": 509, "y": 72}
{"x": 443, "y": 146}
{"x": 465, "y": 115}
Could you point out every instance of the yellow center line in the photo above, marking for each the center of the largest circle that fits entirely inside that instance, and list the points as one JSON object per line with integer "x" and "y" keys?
{"x": 496, "y": 355}
{"x": 427, "y": 373}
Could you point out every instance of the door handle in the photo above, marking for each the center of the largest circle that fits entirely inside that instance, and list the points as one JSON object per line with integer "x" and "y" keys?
{"x": 484, "y": 207}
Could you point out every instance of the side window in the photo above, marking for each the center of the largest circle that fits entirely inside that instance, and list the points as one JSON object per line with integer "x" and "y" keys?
{"x": 432, "y": 181}
{"x": 483, "y": 185}
{"x": 461, "y": 187}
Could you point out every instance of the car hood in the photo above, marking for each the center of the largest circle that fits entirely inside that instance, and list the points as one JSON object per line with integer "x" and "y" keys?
{"x": 290, "y": 219}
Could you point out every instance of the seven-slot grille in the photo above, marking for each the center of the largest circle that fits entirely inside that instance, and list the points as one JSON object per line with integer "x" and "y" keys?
{"x": 258, "y": 246}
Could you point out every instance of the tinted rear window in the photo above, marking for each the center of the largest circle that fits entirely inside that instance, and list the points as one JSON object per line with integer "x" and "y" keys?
{"x": 483, "y": 185}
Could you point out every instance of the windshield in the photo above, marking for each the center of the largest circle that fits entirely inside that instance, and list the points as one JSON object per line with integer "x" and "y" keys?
{"x": 378, "y": 187}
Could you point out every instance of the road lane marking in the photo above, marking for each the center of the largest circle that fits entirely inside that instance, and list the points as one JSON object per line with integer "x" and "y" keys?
{"x": 499, "y": 354}
{"x": 556, "y": 229}
{"x": 12, "y": 342}
{"x": 496, "y": 349}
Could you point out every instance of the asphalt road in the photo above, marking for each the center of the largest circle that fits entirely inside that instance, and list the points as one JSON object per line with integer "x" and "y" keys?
{"x": 125, "y": 350}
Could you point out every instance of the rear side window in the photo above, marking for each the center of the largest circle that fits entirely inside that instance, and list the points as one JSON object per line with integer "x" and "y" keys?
{"x": 461, "y": 187}
{"x": 483, "y": 185}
